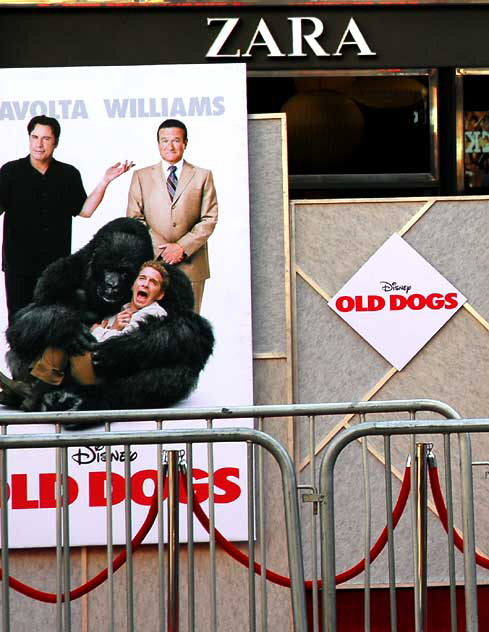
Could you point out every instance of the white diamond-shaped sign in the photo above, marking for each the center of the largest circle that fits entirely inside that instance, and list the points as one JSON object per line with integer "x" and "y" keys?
{"x": 397, "y": 301}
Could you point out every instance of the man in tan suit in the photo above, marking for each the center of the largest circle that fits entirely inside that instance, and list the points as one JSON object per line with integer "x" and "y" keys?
{"x": 178, "y": 203}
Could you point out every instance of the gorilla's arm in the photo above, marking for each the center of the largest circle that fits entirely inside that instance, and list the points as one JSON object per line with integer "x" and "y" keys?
{"x": 55, "y": 318}
{"x": 155, "y": 366}
{"x": 34, "y": 328}
{"x": 181, "y": 340}
{"x": 152, "y": 388}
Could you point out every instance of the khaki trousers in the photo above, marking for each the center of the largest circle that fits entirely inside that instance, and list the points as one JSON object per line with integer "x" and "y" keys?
{"x": 51, "y": 367}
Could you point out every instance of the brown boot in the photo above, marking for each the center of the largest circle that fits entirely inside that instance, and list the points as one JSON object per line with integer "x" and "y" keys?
{"x": 37, "y": 388}
{"x": 14, "y": 388}
{"x": 25, "y": 395}
{"x": 10, "y": 400}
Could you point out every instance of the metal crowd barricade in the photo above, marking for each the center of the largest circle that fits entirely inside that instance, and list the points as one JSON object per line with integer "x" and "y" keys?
{"x": 158, "y": 437}
{"x": 258, "y": 444}
{"x": 413, "y": 428}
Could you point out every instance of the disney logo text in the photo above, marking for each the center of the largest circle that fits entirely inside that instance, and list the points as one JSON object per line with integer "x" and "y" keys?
{"x": 386, "y": 286}
{"x": 87, "y": 455}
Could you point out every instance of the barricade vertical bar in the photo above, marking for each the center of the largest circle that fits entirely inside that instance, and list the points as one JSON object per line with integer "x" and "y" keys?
{"x": 263, "y": 537}
{"x": 110, "y": 537}
{"x": 66, "y": 539}
{"x": 212, "y": 536}
{"x": 161, "y": 473}
{"x": 5, "y": 540}
{"x": 328, "y": 562}
{"x": 251, "y": 537}
{"x": 367, "y": 528}
{"x": 59, "y": 549}
{"x": 190, "y": 538}
{"x": 390, "y": 533}
{"x": 451, "y": 545}
{"x": 421, "y": 534}
{"x": 294, "y": 540}
{"x": 314, "y": 569}
{"x": 129, "y": 561}
{"x": 173, "y": 540}
{"x": 414, "y": 523}
{"x": 84, "y": 602}
{"x": 470, "y": 572}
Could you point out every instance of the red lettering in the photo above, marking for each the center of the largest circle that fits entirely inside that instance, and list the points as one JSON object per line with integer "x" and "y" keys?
{"x": 97, "y": 489}
{"x": 19, "y": 493}
{"x": 451, "y": 300}
{"x": 137, "y": 486}
{"x": 344, "y": 304}
{"x": 416, "y": 301}
{"x": 227, "y": 490}
{"x": 359, "y": 306}
{"x": 359, "y": 303}
{"x": 98, "y": 496}
{"x": 397, "y": 301}
{"x": 47, "y": 490}
{"x": 232, "y": 491}
{"x": 435, "y": 301}
{"x": 375, "y": 303}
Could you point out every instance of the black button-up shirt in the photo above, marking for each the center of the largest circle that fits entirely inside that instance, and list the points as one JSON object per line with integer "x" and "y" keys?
{"x": 38, "y": 212}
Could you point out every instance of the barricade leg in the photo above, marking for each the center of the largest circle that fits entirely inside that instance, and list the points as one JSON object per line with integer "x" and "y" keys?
{"x": 173, "y": 540}
{"x": 470, "y": 572}
{"x": 421, "y": 534}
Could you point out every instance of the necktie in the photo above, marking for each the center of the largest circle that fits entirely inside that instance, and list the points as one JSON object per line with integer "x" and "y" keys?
{"x": 171, "y": 181}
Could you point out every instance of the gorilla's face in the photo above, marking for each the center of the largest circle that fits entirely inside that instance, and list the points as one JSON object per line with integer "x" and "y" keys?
{"x": 112, "y": 285}
{"x": 114, "y": 266}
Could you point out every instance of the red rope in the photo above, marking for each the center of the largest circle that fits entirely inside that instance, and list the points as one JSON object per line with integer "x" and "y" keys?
{"x": 282, "y": 580}
{"x": 441, "y": 508}
{"x": 92, "y": 583}
{"x": 232, "y": 550}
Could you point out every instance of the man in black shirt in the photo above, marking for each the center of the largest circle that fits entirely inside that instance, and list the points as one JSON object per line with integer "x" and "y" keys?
{"x": 40, "y": 196}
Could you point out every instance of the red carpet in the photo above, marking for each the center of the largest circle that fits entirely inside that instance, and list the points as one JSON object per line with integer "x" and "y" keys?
{"x": 350, "y": 610}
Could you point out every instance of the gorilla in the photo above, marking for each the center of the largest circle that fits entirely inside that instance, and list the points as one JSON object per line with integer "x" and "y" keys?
{"x": 156, "y": 365}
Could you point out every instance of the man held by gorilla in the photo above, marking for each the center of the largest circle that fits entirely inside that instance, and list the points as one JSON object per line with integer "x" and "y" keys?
{"x": 147, "y": 290}
{"x": 48, "y": 371}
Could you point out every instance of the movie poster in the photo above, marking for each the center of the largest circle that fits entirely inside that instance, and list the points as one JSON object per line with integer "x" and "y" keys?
{"x": 109, "y": 115}
{"x": 476, "y": 149}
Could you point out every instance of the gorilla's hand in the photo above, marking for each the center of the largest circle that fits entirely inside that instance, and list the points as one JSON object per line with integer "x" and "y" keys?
{"x": 80, "y": 343}
{"x": 59, "y": 399}
{"x": 80, "y": 303}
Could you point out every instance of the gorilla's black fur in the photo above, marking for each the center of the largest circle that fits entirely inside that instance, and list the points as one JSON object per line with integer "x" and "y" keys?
{"x": 154, "y": 366}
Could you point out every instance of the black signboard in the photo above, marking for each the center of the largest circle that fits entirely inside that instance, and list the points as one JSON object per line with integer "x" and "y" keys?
{"x": 266, "y": 38}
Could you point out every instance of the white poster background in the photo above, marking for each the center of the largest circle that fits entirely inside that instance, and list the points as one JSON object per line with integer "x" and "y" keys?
{"x": 397, "y": 335}
{"x": 211, "y": 101}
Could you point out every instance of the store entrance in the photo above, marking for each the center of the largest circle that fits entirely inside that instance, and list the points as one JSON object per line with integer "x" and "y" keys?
{"x": 373, "y": 133}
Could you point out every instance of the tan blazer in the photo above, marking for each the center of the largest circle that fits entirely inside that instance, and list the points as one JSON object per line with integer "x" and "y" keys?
{"x": 189, "y": 220}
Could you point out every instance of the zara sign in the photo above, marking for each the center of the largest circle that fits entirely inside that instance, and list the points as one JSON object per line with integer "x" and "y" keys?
{"x": 305, "y": 34}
